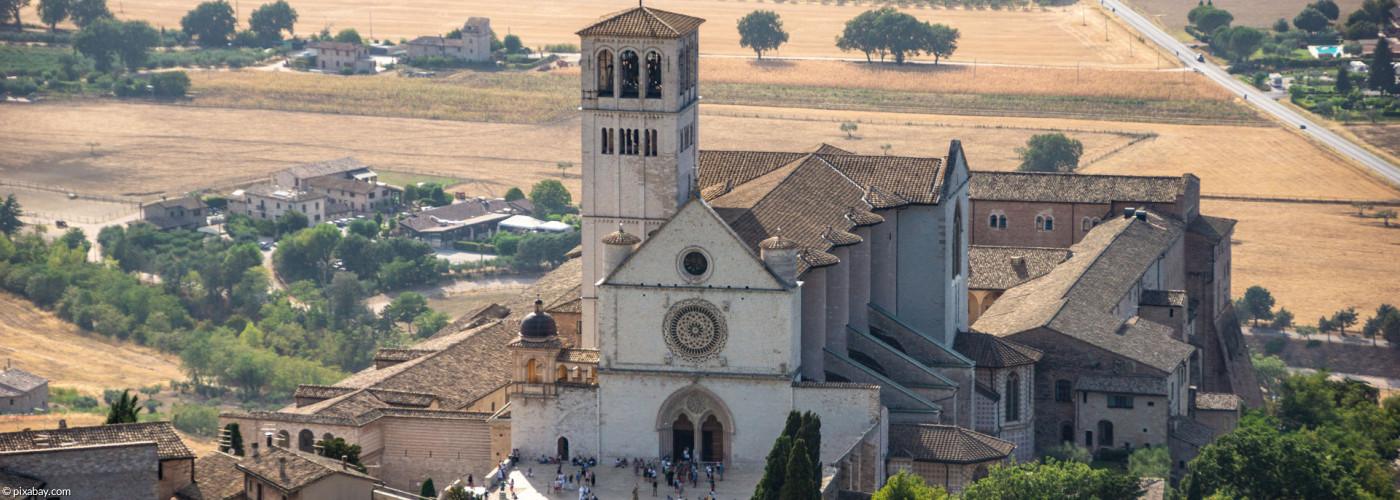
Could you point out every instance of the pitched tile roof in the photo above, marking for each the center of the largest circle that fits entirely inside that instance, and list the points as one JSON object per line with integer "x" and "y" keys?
{"x": 338, "y": 165}
{"x": 578, "y": 355}
{"x": 1191, "y": 431}
{"x": 1214, "y": 228}
{"x": 991, "y": 351}
{"x": 185, "y": 202}
{"x": 343, "y": 184}
{"x": 1074, "y": 188}
{"x": 1077, "y": 298}
{"x": 215, "y": 478}
{"x": 436, "y": 41}
{"x": 1163, "y": 298}
{"x": 12, "y": 485}
{"x": 464, "y": 213}
{"x": 945, "y": 444}
{"x": 21, "y": 380}
{"x": 300, "y": 470}
{"x": 338, "y": 46}
{"x": 643, "y": 22}
{"x": 1123, "y": 384}
{"x": 1217, "y": 401}
{"x": 168, "y": 444}
{"x": 1000, "y": 268}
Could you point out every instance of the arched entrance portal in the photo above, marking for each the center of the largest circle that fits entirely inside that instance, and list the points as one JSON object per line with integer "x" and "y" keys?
{"x": 682, "y": 437}
{"x": 695, "y": 419}
{"x": 563, "y": 448}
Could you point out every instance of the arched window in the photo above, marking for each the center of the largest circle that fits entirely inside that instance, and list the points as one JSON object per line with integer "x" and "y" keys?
{"x": 1049, "y": 223}
{"x": 605, "y": 73}
{"x": 563, "y": 375}
{"x": 956, "y": 269}
{"x": 653, "y": 74}
{"x": 1040, "y": 222}
{"x": 1094, "y": 223}
{"x": 630, "y": 67}
{"x": 1084, "y": 224}
{"x": 1001, "y": 222}
{"x": 1013, "y": 397}
{"x": 306, "y": 441}
{"x": 1063, "y": 391}
{"x": 1105, "y": 433}
{"x": 532, "y": 371}
{"x": 682, "y": 72}
{"x": 992, "y": 222}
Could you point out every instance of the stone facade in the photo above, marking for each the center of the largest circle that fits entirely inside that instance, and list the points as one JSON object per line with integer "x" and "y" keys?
{"x": 99, "y": 472}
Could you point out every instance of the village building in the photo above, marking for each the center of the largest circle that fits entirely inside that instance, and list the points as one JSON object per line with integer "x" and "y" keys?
{"x": 140, "y": 460}
{"x": 715, "y": 291}
{"x": 323, "y": 191}
{"x": 469, "y": 220}
{"x": 473, "y": 46}
{"x": 334, "y": 57}
{"x": 185, "y": 212}
{"x": 23, "y": 392}
{"x": 277, "y": 473}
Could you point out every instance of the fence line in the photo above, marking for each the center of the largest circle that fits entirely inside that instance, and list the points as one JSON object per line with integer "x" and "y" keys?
{"x": 81, "y": 219}
{"x": 70, "y": 192}
{"x": 1297, "y": 199}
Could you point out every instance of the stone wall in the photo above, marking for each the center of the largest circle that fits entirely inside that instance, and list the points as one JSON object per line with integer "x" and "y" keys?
{"x": 1145, "y": 424}
{"x": 847, "y": 415}
{"x": 538, "y": 424}
{"x": 28, "y": 402}
{"x": 443, "y": 449}
{"x": 175, "y": 474}
{"x": 92, "y": 472}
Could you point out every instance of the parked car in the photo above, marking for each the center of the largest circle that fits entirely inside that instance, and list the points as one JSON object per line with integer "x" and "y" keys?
{"x": 1200, "y": 57}
{"x": 264, "y": 245}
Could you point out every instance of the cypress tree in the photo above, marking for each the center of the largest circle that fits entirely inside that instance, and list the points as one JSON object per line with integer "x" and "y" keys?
{"x": 794, "y": 425}
{"x": 428, "y": 490}
{"x": 1343, "y": 86}
{"x": 1382, "y": 72}
{"x": 235, "y": 439}
{"x": 812, "y": 434}
{"x": 775, "y": 471}
{"x": 124, "y": 410}
{"x": 798, "y": 485}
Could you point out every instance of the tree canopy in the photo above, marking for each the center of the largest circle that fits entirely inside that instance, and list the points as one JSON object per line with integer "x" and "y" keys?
{"x": 1311, "y": 20}
{"x": 1382, "y": 75}
{"x": 270, "y": 20}
{"x": 1328, "y": 8}
{"x": 348, "y": 35}
{"x": 86, "y": 12}
{"x": 9, "y": 11}
{"x": 1258, "y": 303}
{"x": 550, "y": 197}
{"x": 1207, "y": 18}
{"x": 1050, "y": 153}
{"x": 10, "y": 211}
{"x": 1237, "y": 42}
{"x": 52, "y": 12}
{"x": 514, "y": 193}
{"x": 761, "y": 30}
{"x": 106, "y": 40}
{"x": 211, "y": 23}
{"x": 906, "y": 486}
{"x": 1052, "y": 479}
{"x": 889, "y": 31}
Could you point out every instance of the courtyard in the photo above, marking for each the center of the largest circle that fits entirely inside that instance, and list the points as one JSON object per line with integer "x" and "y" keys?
{"x": 535, "y": 481}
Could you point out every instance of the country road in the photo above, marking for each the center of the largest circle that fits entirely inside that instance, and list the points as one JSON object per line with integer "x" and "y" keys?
{"x": 1252, "y": 95}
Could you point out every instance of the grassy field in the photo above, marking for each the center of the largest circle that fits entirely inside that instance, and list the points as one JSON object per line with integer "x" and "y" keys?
{"x": 1061, "y": 36}
{"x": 1315, "y": 259}
{"x": 406, "y": 178}
{"x": 47, "y": 346}
{"x": 1172, "y": 13}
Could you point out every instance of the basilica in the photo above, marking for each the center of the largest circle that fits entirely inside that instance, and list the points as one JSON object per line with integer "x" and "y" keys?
{"x": 716, "y": 290}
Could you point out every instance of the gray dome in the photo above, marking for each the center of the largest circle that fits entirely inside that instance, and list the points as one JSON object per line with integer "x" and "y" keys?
{"x": 538, "y": 326}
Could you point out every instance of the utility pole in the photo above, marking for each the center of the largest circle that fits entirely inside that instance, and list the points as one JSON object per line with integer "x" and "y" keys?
{"x": 371, "y": 24}
{"x": 1076, "y": 72}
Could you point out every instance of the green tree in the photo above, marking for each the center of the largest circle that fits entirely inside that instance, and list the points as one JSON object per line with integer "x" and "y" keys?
{"x": 10, "y": 211}
{"x": 1281, "y": 25}
{"x": 811, "y": 433}
{"x": 170, "y": 84}
{"x": 1343, "y": 319}
{"x": 848, "y": 128}
{"x": 1069, "y": 452}
{"x": 1382, "y": 75}
{"x": 1238, "y": 42}
{"x": 761, "y": 30}
{"x": 514, "y": 193}
{"x": 431, "y": 322}
{"x": 105, "y": 40}
{"x": 512, "y": 44}
{"x": 1328, "y": 8}
{"x": 428, "y": 491}
{"x": 74, "y": 238}
{"x": 291, "y": 222}
{"x": 1343, "y": 86}
{"x": 1259, "y": 303}
{"x": 235, "y": 439}
{"x": 211, "y": 23}
{"x": 941, "y": 41}
{"x": 1209, "y": 18}
{"x": 550, "y": 197}
{"x": 799, "y": 483}
{"x": 1310, "y": 20}
{"x": 348, "y": 35}
{"x": 1385, "y": 215}
{"x": 404, "y": 309}
{"x": 1050, "y": 153}
{"x": 1271, "y": 372}
{"x": 338, "y": 449}
{"x": 1283, "y": 319}
{"x": 9, "y": 11}
{"x": 862, "y": 34}
{"x": 52, "y": 12}
{"x": 123, "y": 410}
{"x": 346, "y": 296}
{"x": 775, "y": 468}
{"x": 86, "y": 12}
{"x": 1150, "y": 462}
{"x": 906, "y": 486}
{"x": 270, "y": 20}
{"x": 1052, "y": 479}
{"x": 362, "y": 227}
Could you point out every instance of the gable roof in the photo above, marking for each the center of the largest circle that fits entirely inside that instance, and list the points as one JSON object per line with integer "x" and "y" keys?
{"x": 945, "y": 444}
{"x": 991, "y": 351}
{"x": 343, "y": 184}
{"x": 1213, "y": 228}
{"x": 1122, "y": 384}
{"x": 338, "y": 46}
{"x": 643, "y": 22}
{"x": 1074, "y": 188}
{"x": 300, "y": 470}
{"x": 697, "y": 205}
{"x": 436, "y": 41}
{"x": 215, "y": 478}
{"x": 168, "y": 444}
{"x": 185, "y": 202}
{"x": 1000, "y": 268}
{"x": 21, "y": 380}
{"x": 328, "y": 167}
{"x": 1077, "y": 298}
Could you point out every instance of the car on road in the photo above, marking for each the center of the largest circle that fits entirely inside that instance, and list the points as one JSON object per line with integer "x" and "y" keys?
{"x": 264, "y": 245}
{"x": 1200, "y": 58}
{"x": 1302, "y": 126}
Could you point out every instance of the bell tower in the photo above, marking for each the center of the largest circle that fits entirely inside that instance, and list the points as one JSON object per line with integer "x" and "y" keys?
{"x": 640, "y": 130}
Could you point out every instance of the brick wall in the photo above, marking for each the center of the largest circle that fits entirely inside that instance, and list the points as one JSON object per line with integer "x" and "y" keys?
{"x": 175, "y": 474}
{"x": 443, "y": 449}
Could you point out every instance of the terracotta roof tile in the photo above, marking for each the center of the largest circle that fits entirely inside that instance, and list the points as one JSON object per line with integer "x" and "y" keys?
{"x": 643, "y": 22}
{"x": 1074, "y": 188}
{"x": 21, "y": 380}
{"x": 215, "y": 478}
{"x": 185, "y": 202}
{"x": 946, "y": 444}
{"x": 990, "y": 351}
{"x": 298, "y": 471}
{"x": 1123, "y": 384}
{"x": 1000, "y": 268}
{"x": 1217, "y": 401}
{"x": 1214, "y": 228}
{"x": 1163, "y": 298}
{"x": 578, "y": 355}
{"x": 168, "y": 444}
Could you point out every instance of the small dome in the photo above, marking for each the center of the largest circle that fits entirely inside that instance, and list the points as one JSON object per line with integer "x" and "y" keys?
{"x": 777, "y": 243}
{"x": 538, "y": 326}
{"x": 621, "y": 238}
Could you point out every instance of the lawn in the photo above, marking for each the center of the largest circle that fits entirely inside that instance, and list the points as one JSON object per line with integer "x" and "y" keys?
{"x": 405, "y": 178}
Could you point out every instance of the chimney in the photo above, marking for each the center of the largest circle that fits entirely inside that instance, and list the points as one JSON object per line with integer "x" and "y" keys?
{"x": 269, "y": 439}
{"x": 62, "y": 423}
{"x": 1191, "y": 400}
{"x": 1128, "y": 212}
{"x": 780, "y": 255}
{"x": 255, "y": 450}
{"x": 282, "y": 467}
{"x": 1018, "y": 264}
{"x": 343, "y": 459}
{"x": 616, "y": 247}
{"x": 1141, "y": 215}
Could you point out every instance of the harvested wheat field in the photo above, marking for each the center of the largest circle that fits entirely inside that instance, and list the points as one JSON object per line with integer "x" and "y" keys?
{"x": 1314, "y": 258}
{"x": 1056, "y": 37}
{"x": 148, "y": 148}
{"x": 1384, "y": 136}
{"x": 40, "y": 343}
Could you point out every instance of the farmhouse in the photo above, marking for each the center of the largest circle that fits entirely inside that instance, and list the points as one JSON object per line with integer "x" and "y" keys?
{"x": 22, "y": 392}
{"x": 142, "y": 460}
{"x": 265, "y": 201}
{"x": 337, "y": 56}
{"x": 846, "y": 282}
{"x": 186, "y": 212}
{"x": 469, "y": 220}
{"x": 322, "y": 191}
{"x": 473, "y": 46}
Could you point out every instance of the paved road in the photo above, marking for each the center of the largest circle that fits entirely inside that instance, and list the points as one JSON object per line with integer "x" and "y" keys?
{"x": 1253, "y": 96}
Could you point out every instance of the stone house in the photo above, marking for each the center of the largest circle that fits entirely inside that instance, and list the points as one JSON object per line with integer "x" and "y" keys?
{"x": 283, "y": 474}
{"x": 265, "y": 201}
{"x": 323, "y": 191}
{"x": 473, "y": 46}
{"x": 23, "y": 392}
{"x": 331, "y": 57}
{"x": 1031, "y": 209}
{"x": 186, "y": 212}
{"x": 946, "y": 455}
{"x": 470, "y": 220}
{"x": 141, "y": 460}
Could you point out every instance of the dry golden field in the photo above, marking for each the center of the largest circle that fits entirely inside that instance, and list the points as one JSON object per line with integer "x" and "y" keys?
{"x": 1315, "y": 259}
{"x": 47, "y": 346}
{"x": 1260, "y": 14}
{"x": 1061, "y": 36}
{"x": 1383, "y": 136}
